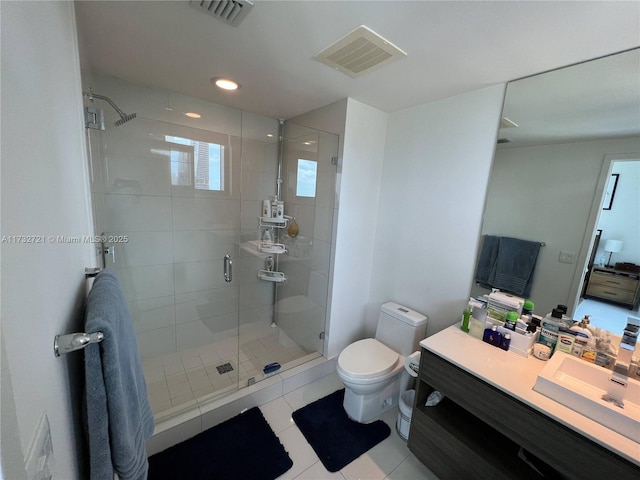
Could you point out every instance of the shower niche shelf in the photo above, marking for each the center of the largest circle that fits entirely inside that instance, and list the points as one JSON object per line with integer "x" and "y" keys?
{"x": 274, "y": 222}
{"x": 269, "y": 276}
{"x": 271, "y": 247}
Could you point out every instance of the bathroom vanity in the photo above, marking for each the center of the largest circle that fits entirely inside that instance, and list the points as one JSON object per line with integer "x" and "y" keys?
{"x": 490, "y": 410}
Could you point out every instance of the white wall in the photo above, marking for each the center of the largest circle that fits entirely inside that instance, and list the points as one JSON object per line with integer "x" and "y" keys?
{"x": 436, "y": 167}
{"x": 545, "y": 193}
{"x": 44, "y": 192}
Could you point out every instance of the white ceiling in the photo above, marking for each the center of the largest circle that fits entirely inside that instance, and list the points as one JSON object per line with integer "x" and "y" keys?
{"x": 452, "y": 47}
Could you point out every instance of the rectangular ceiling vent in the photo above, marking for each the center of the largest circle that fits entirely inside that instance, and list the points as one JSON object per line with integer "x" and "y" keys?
{"x": 231, "y": 12}
{"x": 359, "y": 52}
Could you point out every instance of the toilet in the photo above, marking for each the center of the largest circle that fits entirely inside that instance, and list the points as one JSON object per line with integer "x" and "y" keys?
{"x": 372, "y": 369}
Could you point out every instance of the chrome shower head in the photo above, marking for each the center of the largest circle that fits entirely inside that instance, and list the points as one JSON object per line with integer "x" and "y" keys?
{"x": 124, "y": 118}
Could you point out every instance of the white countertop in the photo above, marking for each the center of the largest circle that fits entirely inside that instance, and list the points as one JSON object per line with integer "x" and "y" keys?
{"x": 516, "y": 376}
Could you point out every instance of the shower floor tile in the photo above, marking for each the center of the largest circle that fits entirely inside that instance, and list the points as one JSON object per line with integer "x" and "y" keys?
{"x": 177, "y": 380}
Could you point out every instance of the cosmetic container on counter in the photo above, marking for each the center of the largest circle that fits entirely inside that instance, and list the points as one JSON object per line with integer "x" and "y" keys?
{"x": 466, "y": 316}
{"x": 510, "y": 320}
{"x": 505, "y": 341}
{"x": 492, "y": 336}
{"x": 477, "y": 322}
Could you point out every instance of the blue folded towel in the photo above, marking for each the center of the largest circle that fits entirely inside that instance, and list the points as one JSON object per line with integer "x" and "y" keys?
{"x": 119, "y": 418}
{"x": 507, "y": 264}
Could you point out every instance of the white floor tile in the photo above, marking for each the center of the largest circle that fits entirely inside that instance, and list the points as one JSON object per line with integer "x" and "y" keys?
{"x": 314, "y": 391}
{"x": 411, "y": 469}
{"x": 318, "y": 472}
{"x": 299, "y": 451}
{"x": 278, "y": 414}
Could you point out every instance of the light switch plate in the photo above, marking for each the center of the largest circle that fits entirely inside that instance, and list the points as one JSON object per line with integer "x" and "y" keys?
{"x": 567, "y": 257}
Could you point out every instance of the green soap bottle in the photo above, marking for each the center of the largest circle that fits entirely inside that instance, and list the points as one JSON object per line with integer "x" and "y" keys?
{"x": 466, "y": 315}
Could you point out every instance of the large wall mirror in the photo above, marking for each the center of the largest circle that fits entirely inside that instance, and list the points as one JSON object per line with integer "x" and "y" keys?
{"x": 563, "y": 133}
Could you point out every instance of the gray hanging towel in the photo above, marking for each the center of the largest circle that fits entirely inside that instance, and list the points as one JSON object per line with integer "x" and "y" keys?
{"x": 514, "y": 266}
{"x": 119, "y": 419}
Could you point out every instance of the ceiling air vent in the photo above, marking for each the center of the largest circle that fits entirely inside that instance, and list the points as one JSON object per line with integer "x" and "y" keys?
{"x": 359, "y": 52}
{"x": 229, "y": 11}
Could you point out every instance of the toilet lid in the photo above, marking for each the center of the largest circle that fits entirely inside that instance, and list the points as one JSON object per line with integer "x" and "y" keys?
{"x": 367, "y": 358}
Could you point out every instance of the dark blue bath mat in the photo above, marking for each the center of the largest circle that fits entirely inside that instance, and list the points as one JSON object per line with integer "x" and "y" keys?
{"x": 241, "y": 448}
{"x": 337, "y": 439}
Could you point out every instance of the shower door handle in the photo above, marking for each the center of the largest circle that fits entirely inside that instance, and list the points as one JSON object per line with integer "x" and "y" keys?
{"x": 228, "y": 268}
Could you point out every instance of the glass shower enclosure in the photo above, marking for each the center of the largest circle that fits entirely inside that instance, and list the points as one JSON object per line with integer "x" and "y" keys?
{"x": 178, "y": 199}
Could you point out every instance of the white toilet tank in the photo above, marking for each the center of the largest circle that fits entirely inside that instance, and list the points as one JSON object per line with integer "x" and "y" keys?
{"x": 401, "y": 328}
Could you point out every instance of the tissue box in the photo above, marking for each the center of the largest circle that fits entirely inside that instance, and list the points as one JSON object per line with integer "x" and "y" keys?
{"x": 500, "y": 303}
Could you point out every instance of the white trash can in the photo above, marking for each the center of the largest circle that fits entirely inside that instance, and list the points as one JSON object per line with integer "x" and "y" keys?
{"x": 405, "y": 407}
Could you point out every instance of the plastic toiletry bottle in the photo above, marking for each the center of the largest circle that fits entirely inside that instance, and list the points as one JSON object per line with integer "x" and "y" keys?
{"x": 510, "y": 320}
{"x": 581, "y": 328}
{"x": 266, "y": 208}
{"x": 578, "y": 346}
{"x": 477, "y": 322}
{"x": 492, "y": 336}
{"x": 550, "y": 328}
{"x": 527, "y": 307}
{"x": 466, "y": 316}
{"x": 565, "y": 342}
{"x": 505, "y": 341}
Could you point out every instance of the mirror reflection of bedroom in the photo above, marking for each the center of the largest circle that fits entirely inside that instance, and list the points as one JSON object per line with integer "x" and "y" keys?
{"x": 611, "y": 288}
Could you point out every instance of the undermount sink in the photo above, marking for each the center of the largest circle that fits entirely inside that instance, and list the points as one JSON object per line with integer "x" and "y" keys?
{"x": 581, "y": 386}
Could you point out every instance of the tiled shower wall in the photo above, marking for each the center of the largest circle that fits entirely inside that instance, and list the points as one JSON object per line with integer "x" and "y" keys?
{"x": 171, "y": 266}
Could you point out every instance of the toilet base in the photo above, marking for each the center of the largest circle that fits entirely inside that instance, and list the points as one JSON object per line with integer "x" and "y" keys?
{"x": 365, "y": 408}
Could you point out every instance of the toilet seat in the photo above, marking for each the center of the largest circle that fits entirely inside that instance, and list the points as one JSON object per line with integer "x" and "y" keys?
{"x": 367, "y": 359}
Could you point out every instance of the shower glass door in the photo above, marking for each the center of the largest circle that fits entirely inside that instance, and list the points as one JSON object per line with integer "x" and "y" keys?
{"x": 167, "y": 194}
{"x": 309, "y": 191}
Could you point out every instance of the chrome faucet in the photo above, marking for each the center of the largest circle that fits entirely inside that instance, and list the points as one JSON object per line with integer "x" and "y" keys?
{"x": 627, "y": 346}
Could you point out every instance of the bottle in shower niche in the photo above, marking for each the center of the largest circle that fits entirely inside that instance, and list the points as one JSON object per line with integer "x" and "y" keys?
{"x": 280, "y": 209}
{"x": 266, "y": 208}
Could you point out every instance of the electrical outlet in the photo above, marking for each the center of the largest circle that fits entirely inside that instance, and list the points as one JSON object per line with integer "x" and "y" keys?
{"x": 39, "y": 460}
{"x": 567, "y": 257}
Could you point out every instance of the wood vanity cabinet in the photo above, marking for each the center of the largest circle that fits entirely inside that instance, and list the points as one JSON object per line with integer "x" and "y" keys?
{"x": 476, "y": 431}
{"x": 614, "y": 286}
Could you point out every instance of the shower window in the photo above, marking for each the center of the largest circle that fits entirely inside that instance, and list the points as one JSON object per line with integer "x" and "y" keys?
{"x": 197, "y": 163}
{"x": 306, "y": 178}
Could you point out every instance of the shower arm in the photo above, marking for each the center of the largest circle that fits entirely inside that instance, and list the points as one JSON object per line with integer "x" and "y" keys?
{"x": 90, "y": 95}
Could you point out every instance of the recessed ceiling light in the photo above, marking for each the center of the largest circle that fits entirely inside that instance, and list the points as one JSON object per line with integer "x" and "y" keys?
{"x": 270, "y": 135}
{"x": 193, "y": 115}
{"x": 224, "y": 83}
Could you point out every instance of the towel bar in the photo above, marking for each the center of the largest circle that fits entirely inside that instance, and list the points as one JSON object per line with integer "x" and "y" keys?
{"x": 74, "y": 341}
